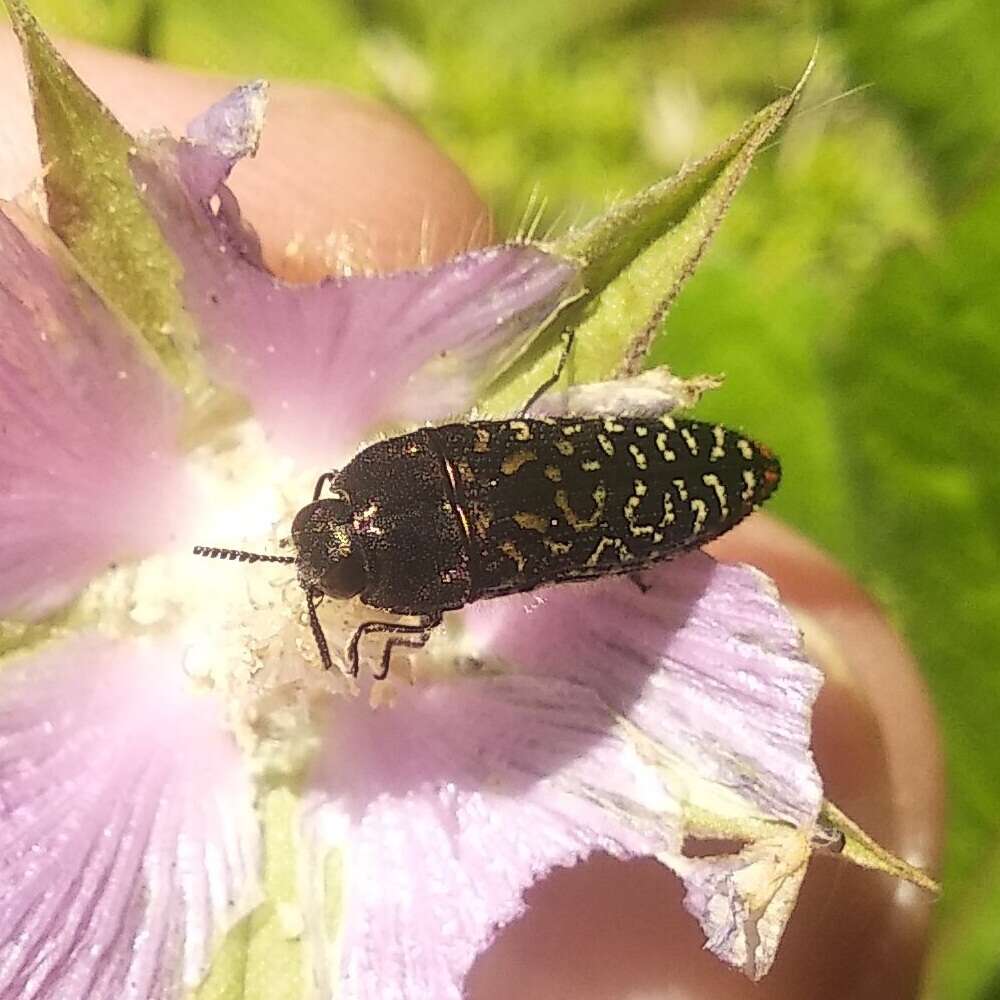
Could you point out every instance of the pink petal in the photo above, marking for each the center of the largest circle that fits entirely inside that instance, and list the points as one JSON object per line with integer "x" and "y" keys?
{"x": 324, "y": 364}
{"x": 707, "y": 661}
{"x": 128, "y": 838}
{"x": 598, "y": 714}
{"x": 231, "y": 128}
{"x": 87, "y": 448}
{"x": 454, "y": 807}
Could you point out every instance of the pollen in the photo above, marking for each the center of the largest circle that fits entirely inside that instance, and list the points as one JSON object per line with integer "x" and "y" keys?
{"x": 239, "y": 628}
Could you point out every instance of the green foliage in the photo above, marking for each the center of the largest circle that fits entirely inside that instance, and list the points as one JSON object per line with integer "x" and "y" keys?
{"x": 922, "y": 359}
{"x": 304, "y": 39}
{"x": 937, "y": 66}
{"x": 107, "y": 22}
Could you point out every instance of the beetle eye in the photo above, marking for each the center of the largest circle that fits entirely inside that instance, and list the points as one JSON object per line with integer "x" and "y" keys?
{"x": 302, "y": 520}
{"x": 321, "y": 516}
{"x": 343, "y": 577}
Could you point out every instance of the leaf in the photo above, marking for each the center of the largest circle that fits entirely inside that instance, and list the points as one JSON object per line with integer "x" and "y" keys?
{"x": 95, "y": 209}
{"x": 636, "y": 258}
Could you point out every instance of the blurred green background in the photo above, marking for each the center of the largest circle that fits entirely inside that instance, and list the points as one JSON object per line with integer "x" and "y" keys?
{"x": 852, "y": 296}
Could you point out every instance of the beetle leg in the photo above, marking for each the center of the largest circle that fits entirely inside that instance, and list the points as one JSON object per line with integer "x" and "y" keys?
{"x": 398, "y": 638}
{"x": 567, "y": 346}
{"x": 327, "y": 477}
{"x": 312, "y": 598}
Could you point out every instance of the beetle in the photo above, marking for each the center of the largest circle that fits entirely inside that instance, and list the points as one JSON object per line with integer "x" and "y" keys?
{"x": 435, "y": 519}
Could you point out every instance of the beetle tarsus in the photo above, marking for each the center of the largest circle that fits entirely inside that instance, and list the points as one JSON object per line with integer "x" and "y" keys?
{"x": 400, "y": 637}
{"x": 567, "y": 346}
{"x": 312, "y": 598}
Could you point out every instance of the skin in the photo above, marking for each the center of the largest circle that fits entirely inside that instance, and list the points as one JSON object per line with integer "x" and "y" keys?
{"x": 331, "y": 162}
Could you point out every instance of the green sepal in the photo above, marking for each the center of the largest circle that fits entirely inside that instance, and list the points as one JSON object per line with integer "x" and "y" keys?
{"x": 865, "y": 852}
{"x": 832, "y": 827}
{"x": 635, "y": 259}
{"x": 95, "y": 209}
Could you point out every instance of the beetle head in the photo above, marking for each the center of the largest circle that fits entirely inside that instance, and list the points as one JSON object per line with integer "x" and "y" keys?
{"x": 329, "y": 560}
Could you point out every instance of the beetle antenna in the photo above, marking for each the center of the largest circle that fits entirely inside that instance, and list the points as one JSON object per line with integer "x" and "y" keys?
{"x": 239, "y": 555}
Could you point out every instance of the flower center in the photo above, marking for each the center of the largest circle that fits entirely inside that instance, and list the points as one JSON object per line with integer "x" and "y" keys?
{"x": 240, "y": 627}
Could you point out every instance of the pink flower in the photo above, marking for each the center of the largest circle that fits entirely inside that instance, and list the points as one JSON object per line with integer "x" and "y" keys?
{"x": 153, "y": 705}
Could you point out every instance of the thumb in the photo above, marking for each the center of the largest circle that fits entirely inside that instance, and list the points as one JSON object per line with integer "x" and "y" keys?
{"x": 337, "y": 180}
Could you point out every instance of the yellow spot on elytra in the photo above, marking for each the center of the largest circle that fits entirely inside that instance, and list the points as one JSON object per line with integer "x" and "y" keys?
{"x": 745, "y": 450}
{"x": 711, "y": 480}
{"x": 641, "y": 430}
{"x": 630, "y": 510}
{"x": 689, "y": 440}
{"x": 668, "y": 514}
{"x": 531, "y": 522}
{"x": 515, "y": 460}
{"x": 604, "y": 544}
{"x": 669, "y": 423}
{"x": 638, "y": 455}
{"x": 569, "y": 429}
{"x": 605, "y": 442}
{"x": 484, "y": 519}
{"x": 681, "y": 488}
{"x": 750, "y": 484}
{"x": 482, "y": 442}
{"x": 509, "y": 549}
{"x": 590, "y": 466}
{"x": 557, "y": 548}
{"x": 574, "y": 520}
{"x": 661, "y": 443}
{"x": 700, "y": 509}
{"x": 520, "y": 430}
{"x": 565, "y": 448}
{"x": 465, "y": 472}
{"x": 613, "y": 426}
{"x": 554, "y": 473}
{"x": 640, "y": 488}
{"x": 718, "y": 449}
